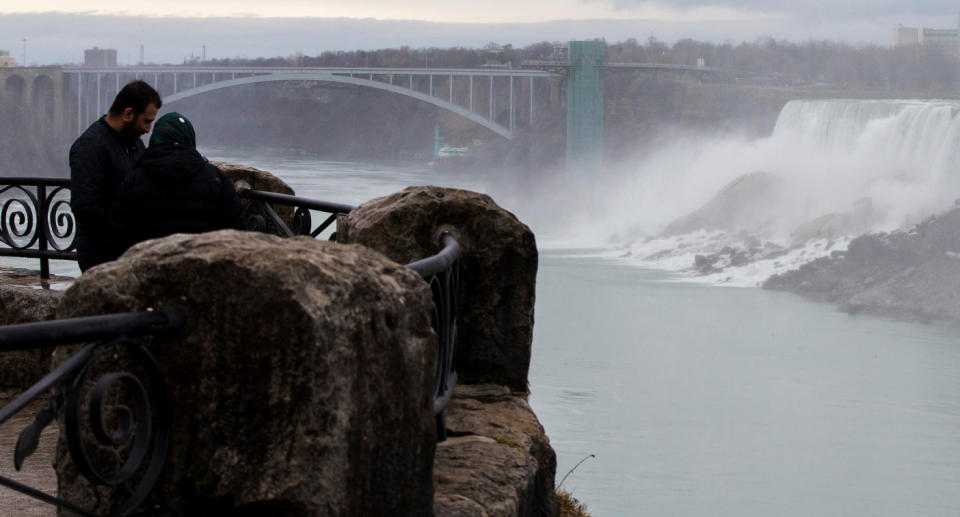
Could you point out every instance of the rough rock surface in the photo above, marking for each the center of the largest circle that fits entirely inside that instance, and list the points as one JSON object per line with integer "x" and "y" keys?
{"x": 498, "y": 269}
{"x": 912, "y": 274}
{"x": 498, "y": 461}
{"x": 730, "y": 256}
{"x": 747, "y": 203}
{"x": 20, "y": 304}
{"x": 302, "y": 384}
{"x": 256, "y": 179}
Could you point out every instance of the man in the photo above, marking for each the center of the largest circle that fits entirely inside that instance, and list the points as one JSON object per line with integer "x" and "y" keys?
{"x": 173, "y": 189}
{"x": 100, "y": 160}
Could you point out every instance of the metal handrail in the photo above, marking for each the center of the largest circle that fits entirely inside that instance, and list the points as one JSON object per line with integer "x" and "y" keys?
{"x": 287, "y": 199}
{"x": 302, "y": 224}
{"x": 26, "y": 336}
{"x": 442, "y": 261}
{"x": 442, "y": 273}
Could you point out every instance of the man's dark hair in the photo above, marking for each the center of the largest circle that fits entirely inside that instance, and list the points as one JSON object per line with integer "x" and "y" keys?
{"x": 137, "y": 95}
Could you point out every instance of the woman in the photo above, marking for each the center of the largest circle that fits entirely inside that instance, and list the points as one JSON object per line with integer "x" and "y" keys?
{"x": 173, "y": 189}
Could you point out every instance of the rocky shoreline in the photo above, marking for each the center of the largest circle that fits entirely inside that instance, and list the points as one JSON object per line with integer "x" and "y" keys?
{"x": 909, "y": 275}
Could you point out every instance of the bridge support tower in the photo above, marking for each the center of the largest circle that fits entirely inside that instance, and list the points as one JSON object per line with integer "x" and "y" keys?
{"x": 585, "y": 105}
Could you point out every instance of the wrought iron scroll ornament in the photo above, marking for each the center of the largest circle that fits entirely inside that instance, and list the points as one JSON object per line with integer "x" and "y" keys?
{"x": 121, "y": 410}
{"x": 36, "y": 220}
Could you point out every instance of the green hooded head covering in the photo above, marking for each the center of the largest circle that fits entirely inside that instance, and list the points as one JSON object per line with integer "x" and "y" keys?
{"x": 173, "y": 128}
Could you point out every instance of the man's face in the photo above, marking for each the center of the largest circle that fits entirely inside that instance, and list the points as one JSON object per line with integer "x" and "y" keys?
{"x": 139, "y": 124}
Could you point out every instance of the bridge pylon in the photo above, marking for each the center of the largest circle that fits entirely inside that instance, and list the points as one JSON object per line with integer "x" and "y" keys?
{"x": 585, "y": 105}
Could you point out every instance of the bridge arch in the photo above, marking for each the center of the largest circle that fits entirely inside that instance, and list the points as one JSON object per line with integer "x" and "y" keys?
{"x": 307, "y": 76}
{"x": 15, "y": 96}
{"x": 15, "y": 87}
{"x": 42, "y": 103}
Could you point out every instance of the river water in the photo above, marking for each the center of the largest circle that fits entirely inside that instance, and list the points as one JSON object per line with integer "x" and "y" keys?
{"x": 699, "y": 400}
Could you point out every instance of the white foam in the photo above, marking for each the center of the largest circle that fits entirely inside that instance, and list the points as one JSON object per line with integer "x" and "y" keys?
{"x": 678, "y": 253}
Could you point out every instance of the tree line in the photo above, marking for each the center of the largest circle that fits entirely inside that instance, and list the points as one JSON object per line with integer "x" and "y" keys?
{"x": 777, "y": 62}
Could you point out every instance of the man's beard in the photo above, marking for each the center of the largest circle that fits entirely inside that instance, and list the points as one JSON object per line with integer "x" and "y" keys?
{"x": 129, "y": 132}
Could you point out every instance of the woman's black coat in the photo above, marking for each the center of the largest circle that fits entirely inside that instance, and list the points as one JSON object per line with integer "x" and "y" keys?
{"x": 173, "y": 189}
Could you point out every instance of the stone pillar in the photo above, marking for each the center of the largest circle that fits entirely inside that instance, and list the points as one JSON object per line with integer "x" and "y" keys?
{"x": 498, "y": 271}
{"x": 302, "y": 384}
{"x": 59, "y": 103}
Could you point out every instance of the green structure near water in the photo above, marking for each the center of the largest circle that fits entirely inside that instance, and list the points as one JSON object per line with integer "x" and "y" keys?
{"x": 585, "y": 105}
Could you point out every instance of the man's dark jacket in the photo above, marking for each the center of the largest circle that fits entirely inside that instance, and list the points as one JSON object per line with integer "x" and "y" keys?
{"x": 99, "y": 162}
{"x": 173, "y": 189}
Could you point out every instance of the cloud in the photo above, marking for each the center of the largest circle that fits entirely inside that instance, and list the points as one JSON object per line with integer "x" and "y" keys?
{"x": 807, "y": 9}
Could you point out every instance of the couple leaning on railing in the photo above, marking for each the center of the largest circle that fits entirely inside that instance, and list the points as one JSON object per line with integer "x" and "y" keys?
{"x": 171, "y": 189}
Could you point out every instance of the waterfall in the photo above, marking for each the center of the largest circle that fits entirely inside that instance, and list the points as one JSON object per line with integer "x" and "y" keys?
{"x": 920, "y": 139}
{"x": 829, "y": 156}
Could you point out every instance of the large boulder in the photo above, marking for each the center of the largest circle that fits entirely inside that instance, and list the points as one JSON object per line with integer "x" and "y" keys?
{"x": 301, "y": 385}
{"x": 253, "y": 178}
{"x": 256, "y": 179}
{"x": 23, "y": 304}
{"x": 498, "y": 270}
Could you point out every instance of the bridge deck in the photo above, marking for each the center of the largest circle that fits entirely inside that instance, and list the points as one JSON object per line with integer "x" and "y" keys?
{"x": 496, "y": 72}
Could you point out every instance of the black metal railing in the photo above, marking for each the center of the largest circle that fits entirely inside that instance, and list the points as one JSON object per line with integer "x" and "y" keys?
{"x": 268, "y": 221}
{"x": 36, "y": 220}
{"x": 442, "y": 272}
{"x": 137, "y": 429}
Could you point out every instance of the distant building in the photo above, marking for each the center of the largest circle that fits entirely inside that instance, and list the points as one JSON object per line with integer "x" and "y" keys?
{"x": 5, "y": 60}
{"x": 944, "y": 39}
{"x": 906, "y": 37}
{"x": 100, "y": 57}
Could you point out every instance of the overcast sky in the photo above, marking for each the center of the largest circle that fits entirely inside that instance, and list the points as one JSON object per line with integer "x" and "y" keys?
{"x": 57, "y": 31}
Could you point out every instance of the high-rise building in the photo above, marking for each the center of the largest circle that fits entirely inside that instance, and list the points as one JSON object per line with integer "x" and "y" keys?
{"x": 100, "y": 57}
